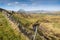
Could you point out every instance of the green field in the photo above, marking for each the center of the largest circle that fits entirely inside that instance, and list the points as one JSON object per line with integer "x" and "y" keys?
{"x": 49, "y": 26}
{"x": 6, "y": 32}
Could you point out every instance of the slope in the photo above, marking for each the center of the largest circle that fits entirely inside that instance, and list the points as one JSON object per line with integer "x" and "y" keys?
{"x": 6, "y": 32}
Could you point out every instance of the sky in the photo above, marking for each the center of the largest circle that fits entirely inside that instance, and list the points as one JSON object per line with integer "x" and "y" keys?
{"x": 28, "y": 5}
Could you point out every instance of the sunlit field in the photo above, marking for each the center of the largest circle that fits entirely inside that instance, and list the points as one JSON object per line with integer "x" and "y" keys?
{"x": 50, "y": 24}
{"x": 20, "y": 26}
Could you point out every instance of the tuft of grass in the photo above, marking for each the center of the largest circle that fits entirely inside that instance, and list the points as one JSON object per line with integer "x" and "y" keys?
{"x": 6, "y": 32}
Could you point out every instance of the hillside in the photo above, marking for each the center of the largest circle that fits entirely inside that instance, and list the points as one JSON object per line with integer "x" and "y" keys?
{"x": 6, "y": 32}
{"x": 9, "y": 30}
{"x": 20, "y": 26}
{"x": 49, "y": 25}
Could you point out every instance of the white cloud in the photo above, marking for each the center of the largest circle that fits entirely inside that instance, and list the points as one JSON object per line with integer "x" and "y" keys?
{"x": 9, "y": 4}
{"x": 13, "y": 3}
{"x": 16, "y": 2}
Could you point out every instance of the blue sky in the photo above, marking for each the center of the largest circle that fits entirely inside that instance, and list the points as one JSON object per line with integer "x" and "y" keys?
{"x": 50, "y": 5}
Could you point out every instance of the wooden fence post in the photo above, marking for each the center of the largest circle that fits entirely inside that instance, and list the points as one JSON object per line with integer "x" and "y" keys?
{"x": 35, "y": 28}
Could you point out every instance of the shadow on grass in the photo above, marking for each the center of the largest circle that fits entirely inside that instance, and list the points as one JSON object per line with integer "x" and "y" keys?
{"x": 24, "y": 31}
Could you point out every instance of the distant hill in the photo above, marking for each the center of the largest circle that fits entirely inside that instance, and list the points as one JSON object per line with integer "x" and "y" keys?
{"x": 21, "y": 10}
{"x": 39, "y": 11}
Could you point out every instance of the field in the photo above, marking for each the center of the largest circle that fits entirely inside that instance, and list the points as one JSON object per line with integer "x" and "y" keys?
{"x": 6, "y": 32}
{"x": 48, "y": 28}
{"x": 50, "y": 24}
